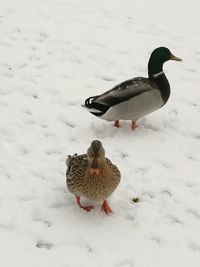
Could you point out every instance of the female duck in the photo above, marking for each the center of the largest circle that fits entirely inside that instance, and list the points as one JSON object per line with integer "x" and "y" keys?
{"x": 93, "y": 176}
{"x": 137, "y": 97}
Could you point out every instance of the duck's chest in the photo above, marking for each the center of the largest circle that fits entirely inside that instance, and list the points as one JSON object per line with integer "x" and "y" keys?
{"x": 99, "y": 187}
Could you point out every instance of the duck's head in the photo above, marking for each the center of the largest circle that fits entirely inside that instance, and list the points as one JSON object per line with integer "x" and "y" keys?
{"x": 96, "y": 154}
{"x": 158, "y": 57}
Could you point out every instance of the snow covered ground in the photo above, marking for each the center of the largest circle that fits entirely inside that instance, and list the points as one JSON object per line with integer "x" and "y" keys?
{"x": 54, "y": 54}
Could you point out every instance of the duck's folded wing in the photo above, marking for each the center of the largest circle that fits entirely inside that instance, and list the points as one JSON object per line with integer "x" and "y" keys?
{"x": 114, "y": 168}
{"x": 120, "y": 93}
{"x": 74, "y": 161}
{"x": 124, "y": 91}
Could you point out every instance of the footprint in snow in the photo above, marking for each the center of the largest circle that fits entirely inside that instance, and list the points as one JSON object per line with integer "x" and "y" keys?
{"x": 194, "y": 246}
{"x": 46, "y": 245}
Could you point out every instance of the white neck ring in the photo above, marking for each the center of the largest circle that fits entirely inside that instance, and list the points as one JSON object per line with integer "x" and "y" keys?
{"x": 158, "y": 74}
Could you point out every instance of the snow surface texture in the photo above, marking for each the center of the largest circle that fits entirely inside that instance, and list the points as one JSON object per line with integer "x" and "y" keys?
{"x": 54, "y": 54}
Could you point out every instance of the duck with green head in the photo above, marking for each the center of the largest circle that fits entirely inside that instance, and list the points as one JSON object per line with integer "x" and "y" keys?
{"x": 137, "y": 97}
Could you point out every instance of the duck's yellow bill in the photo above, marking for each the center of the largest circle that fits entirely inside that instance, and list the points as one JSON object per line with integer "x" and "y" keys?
{"x": 175, "y": 58}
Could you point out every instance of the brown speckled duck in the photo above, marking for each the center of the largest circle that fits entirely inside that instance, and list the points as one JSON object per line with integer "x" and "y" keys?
{"x": 93, "y": 176}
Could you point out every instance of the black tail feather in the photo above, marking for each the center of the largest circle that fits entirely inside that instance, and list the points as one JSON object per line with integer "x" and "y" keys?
{"x": 91, "y": 102}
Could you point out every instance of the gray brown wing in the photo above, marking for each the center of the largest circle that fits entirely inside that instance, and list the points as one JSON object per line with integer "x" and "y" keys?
{"x": 77, "y": 165}
{"x": 125, "y": 91}
{"x": 114, "y": 168}
{"x": 74, "y": 162}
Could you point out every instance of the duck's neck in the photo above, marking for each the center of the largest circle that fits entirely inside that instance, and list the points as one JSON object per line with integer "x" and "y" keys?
{"x": 102, "y": 163}
{"x": 155, "y": 67}
{"x": 97, "y": 163}
{"x": 156, "y": 74}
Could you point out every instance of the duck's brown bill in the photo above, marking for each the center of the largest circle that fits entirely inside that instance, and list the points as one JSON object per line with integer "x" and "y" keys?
{"x": 175, "y": 58}
{"x": 95, "y": 171}
{"x": 94, "y": 167}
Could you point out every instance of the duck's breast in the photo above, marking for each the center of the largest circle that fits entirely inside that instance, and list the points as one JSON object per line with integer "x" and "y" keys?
{"x": 99, "y": 188}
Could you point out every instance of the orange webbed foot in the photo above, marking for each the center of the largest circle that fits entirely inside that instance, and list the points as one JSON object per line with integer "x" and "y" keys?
{"x": 105, "y": 207}
{"x": 87, "y": 208}
{"x": 133, "y": 125}
{"x": 117, "y": 124}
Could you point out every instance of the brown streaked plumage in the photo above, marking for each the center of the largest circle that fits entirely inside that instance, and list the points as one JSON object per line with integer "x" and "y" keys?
{"x": 92, "y": 175}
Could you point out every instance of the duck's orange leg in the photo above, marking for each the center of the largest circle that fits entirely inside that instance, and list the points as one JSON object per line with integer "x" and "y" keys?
{"x": 105, "y": 207}
{"x": 117, "y": 124}
{"x": 133, "y": 125}
{"x": 87, "y": 208}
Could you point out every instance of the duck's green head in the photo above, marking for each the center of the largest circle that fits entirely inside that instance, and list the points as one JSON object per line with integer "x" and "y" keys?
{"x": 158, "y": 57}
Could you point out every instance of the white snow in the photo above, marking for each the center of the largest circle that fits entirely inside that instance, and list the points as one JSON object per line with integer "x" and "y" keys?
{"x": 55, "y": 54}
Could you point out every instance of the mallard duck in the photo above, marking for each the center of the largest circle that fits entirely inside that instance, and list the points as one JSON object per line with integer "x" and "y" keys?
{"x": 137, "y": 97}
{"x": 92, "y": 175}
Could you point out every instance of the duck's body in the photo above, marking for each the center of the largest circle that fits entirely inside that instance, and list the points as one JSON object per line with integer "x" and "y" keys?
{"x": 92, "y": 177}
{"x": 136, "y": 97}
{"x": 131, "y": 100}
{"x": 92, "y": 186}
